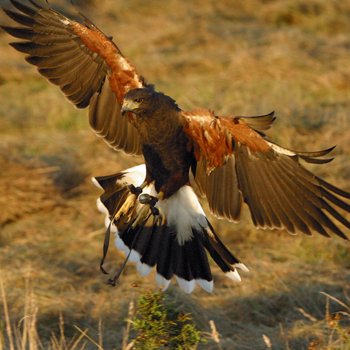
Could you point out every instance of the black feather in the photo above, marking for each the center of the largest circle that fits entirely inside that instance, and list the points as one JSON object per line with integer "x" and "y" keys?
{"x": 21, "y": 33}
{"x": 23, "y": 8}
{"x": 19, "y": 18}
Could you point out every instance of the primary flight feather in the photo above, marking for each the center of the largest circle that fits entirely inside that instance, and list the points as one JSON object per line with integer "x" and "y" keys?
{"x": 153, "y": 208}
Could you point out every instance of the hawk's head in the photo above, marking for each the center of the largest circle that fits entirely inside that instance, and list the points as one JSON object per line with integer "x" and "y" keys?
{"x": 145, "y": 102}
{"x": 138, "y": 101}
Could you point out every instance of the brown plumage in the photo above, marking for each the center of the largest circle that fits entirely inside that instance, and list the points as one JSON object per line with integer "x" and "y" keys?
{"x": 153, "y": 209}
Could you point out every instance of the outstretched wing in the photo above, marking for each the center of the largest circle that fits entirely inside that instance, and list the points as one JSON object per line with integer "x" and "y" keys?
{"x": 86, "y": 65}
{"x": 236, "y": 163}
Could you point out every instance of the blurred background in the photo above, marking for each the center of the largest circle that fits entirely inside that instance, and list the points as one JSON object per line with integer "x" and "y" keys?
{"x": 236, "y": 57}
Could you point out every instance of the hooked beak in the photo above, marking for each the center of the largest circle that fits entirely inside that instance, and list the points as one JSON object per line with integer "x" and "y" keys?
{"x": 128, "y": 106}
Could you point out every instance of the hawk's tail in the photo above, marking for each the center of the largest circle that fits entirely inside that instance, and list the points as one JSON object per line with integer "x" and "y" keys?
{"x": 175, "y": 242}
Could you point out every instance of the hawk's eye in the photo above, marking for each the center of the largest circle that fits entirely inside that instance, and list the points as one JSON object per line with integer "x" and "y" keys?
{"x": 138, "y": 100}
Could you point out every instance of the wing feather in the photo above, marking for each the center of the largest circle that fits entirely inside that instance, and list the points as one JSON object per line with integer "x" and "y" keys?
{"x": 300, "y": 205}
{"x": 260, "y": 122}
{"x": 208, "y": 185}
{"x": 278, "y": 216}
{"x": 270, "y": 179}
{"x": 266, "y": 197}
{"x": 104, "y": 116}
{"x": 23, "y": 8}
{"x": 19, "y": 18}
{"x": 74, "y": 57}
{"x": 245, "y": 183}
{"x": 85, "y": 64}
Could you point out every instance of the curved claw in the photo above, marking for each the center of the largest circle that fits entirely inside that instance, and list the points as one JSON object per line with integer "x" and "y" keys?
{"x": 155, "y": 211}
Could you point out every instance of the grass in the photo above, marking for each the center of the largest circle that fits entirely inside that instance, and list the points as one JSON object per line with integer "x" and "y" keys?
{"x": 158, "y": 322}
{"x": 242, "y": 57}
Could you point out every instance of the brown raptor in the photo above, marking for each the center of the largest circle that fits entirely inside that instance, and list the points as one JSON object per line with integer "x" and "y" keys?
{"x": 153, "y": 208}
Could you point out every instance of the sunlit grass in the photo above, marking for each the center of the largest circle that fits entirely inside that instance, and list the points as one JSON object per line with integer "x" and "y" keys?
{"x": 155, "y": 323}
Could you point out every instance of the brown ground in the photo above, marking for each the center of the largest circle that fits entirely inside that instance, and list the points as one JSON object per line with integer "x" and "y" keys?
{"x": 237, "y": 57}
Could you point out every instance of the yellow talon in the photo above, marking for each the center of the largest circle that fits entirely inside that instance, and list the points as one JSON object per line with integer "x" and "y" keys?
{"x": 141, "y": 215}
{"x": 125, "y": 212}
{"x": 160, "y": 195}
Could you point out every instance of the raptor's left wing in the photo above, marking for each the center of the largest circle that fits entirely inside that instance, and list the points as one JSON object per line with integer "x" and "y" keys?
{"x": 236, "y": 163}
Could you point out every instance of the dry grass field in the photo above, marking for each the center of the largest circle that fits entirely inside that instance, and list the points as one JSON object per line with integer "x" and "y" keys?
{"x": 234, "y": 56}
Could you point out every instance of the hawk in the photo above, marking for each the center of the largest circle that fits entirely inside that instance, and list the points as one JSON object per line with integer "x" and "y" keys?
{"x": 153, "y": 208}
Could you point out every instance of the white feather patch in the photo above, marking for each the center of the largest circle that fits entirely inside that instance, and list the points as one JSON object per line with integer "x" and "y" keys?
{"x": 143, "y": 269}
{"x": 208, "y": 286}
{"x": 186, "y": 286}
{"x": 114, "y": 228}
{"x": 121, "y": 245}
{"x": 281, "y": 150}
{"x": 162, "y": 282}
{"x": 183, "y": 211}
{"x": 65, "y": 21}
{"x": 233, "y": 275}
{"x": 134, "y": 256}
{"x": 150, "y": 189}
{"x": 135, "y": 175}
{"x": 101, "y": 207}
{"x": 95, "y": 182}
{"x": 242, "y": 267}
{"x": 132, "y": 176}
{"x": 124, "y": 64}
